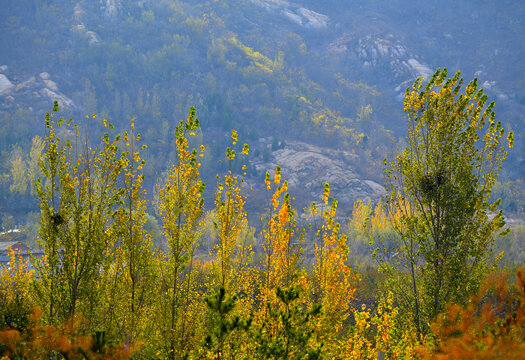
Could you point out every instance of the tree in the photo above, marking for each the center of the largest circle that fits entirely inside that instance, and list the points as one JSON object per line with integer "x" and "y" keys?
{"x": 78, "y": 196}
{"x": 281, "y": 252}
{"x": 19, "y": 175}
{"x": 439, "y": 192}
{"x": 128, "y": 279}
{"x": 231, "y": 217}
{"x": 289, "y": 340}
{"x": 181, "y": 207}
{"x": 229, "y": 267}
{"x": 331, "y": 275}
{"x": 15, "y": 296}
{"x": 225, "y": 323}
{"x": 33, "y": 169}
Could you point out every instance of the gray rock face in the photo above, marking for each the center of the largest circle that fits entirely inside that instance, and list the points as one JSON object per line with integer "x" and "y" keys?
{"x": 29, "y": 83}
{"x": 297, "y": 14}
{"x": 37, "y": 91}
{"x": 81, "y": 30}
{"x": 419, "y": 69}
{"x": 63, "y": 100}
{"x": 111, "y": 8}
{"x": 312, "y": 19}
{"x": 5, "y": 84}
{"x": 308, "y": 167}
{"x": 50, "y": 84}
{"x": 383, "y": 51}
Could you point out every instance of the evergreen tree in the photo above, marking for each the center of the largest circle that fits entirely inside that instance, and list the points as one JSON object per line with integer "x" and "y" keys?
{"x": 224, "y": 323}
{"x": 291, "y": 339}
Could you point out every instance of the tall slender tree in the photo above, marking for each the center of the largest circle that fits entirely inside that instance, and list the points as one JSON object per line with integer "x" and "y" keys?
{"x": 231, "y": 216}
{"x": 439, "y": 190}
{"x": 128, "y": 282}
{"x": 331, "y": 285}
{"x": 181, "y": 207}
{"x": 77, "y": 196}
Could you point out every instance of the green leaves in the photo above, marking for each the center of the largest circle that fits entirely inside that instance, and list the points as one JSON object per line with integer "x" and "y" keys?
{"x": 221, "y": 306}
{"x": 181, "y": 206}
{"x": 77, "y": 201}
{"x": 441, "y": 185}
{"x": 291, "y": 340}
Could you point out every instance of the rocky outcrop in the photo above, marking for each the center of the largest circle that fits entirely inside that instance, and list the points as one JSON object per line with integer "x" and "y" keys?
{"x": 5, "y": 84}
{"x": 385, "y": 51}
{"x": 307, "y": 167}
{"x": 82, "y": 31}
{"x": 80, "y": 28}
{"x": 111, "y": 8}
{"x": 297, "y": 14}
{"x": 37, "y": 92}
{"x": 377, "y": 50}
{"x": 29, "y": 83}
{"x": 63, "y": 100}
{"x": 419, "y": 69}
{"x": 50, "y": 84}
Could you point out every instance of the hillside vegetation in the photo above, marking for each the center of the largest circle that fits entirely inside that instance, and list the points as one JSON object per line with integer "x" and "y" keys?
{"x": 213, "y": 290}
{"x": 327, "y": 196}
{"x": 326, "y": 73}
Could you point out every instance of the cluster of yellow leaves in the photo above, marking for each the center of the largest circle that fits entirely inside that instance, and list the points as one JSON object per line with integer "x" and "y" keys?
{"x": 358, "y": 346}
{"x": 280, "y": 262}
{"x": 259, "y": 60}
{"x": 370, "y": 223}
{"x": 15, "y": 277}
{"x": 381, "y": 333}
{"x": 331, "y": 285}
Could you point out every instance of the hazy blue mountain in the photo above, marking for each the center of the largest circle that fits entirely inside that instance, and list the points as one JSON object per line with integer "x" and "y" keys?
{"x": 328, "y": 73}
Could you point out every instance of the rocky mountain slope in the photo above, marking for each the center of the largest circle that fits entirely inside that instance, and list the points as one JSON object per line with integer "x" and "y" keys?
{"x": 307, "y": 167}
{"x": 327, "y": 77}
{"x": 37, "y": 91}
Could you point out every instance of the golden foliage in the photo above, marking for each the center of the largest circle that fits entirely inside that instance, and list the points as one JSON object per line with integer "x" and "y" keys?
{"x": 67, "y": 341}
{"x": 490, "y": 326}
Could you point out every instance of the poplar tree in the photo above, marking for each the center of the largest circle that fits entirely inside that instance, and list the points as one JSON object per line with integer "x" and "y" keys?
{"x": 231, "y": 216}
{"x": 181, "y": 207}
{"x": 77, "y": 196}
{"x": 331, "y": 285}
{"x": 439, "y": 190}
{"x": 129, "y": 281}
